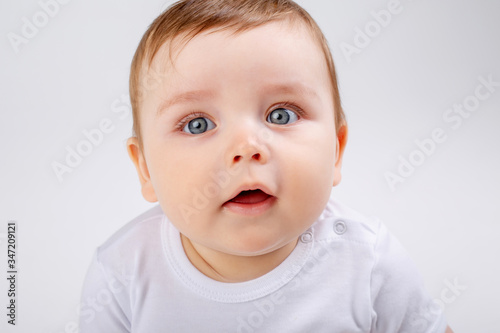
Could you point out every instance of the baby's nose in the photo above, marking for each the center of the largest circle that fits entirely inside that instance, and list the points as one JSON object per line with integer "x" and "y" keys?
{"x": 248, "y": 155}
{"x": 246, "y": 147}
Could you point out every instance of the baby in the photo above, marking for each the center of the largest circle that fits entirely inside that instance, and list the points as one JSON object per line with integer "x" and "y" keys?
{"x": 239, "y": 135}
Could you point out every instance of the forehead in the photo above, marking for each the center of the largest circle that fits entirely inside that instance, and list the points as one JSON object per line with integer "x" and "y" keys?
{"x": 291, "y": 27}
{"x": 282, "y": 55}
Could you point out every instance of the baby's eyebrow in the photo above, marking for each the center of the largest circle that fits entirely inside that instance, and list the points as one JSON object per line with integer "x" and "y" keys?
{"x": 184, "y": 97}
{"x": 282, "y": 89}
{"x": 294, "y": 89}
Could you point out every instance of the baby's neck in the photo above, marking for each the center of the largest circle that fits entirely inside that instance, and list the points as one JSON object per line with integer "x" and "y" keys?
{"x": 230, "y": 268}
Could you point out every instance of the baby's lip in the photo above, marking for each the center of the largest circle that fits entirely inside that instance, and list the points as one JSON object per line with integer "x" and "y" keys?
{"x": 258, "y": 189}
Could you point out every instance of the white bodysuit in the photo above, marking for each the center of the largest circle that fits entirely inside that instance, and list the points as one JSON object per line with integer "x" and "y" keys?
{"x": 346, "y": 274}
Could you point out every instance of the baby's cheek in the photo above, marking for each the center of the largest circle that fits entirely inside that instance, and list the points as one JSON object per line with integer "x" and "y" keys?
{"x": 311, "y": 180}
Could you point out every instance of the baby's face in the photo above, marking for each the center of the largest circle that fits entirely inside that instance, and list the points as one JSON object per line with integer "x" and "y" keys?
{"x": 250, "y": 112}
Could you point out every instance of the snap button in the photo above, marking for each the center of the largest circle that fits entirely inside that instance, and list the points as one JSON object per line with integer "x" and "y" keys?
{"x": 340, "y": 227}
{"x": 306, "y": 237}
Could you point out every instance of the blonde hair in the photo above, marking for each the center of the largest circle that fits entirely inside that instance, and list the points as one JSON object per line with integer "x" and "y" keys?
{"x": 189, "y": 18}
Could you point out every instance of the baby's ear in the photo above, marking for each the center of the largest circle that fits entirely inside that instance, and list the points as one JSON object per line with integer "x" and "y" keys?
{"x": 341, "y": 143}
{"x": 137, "y": 157}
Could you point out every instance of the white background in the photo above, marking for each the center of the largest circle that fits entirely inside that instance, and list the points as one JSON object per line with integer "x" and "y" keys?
{"x": 74, "y": 73}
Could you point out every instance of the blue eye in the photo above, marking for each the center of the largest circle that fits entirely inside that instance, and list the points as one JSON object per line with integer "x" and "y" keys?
{"x": 199, "y": 125}
{"x": 282, "y": 116}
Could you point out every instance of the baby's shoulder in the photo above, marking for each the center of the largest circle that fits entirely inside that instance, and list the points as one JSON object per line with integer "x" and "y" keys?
{"x": 134, "y": 237}
{"x": 339, "y": 221}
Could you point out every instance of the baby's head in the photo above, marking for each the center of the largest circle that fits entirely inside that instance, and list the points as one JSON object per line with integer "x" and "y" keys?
{"x": 239, "y": 130}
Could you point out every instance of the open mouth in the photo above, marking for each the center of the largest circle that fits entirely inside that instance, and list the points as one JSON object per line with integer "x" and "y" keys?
{"x": 250, "y": 202}
{"x": 250, "y": 197}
